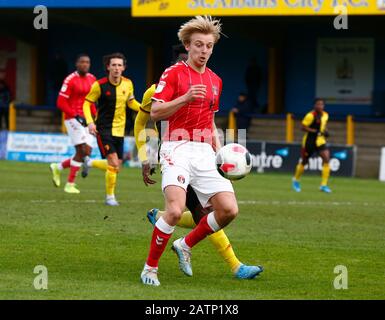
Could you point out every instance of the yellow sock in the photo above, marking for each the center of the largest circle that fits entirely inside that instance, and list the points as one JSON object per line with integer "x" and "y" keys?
{"x": 111, "y": 175}
{"x": 186, "y": 221}
{"x": 224, "y": 248}
{"x": 299, "y": 171}
{"x": 325, "y": 174}
{"x": 100, "y": 164}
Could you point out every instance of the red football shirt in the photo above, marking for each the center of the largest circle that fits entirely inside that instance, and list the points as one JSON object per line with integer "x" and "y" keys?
{"x": 73, "y": 93}
{"x": 193, "y": 121}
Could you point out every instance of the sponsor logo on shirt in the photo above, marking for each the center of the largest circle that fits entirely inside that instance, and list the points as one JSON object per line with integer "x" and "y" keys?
{"x": 160, "y": 86}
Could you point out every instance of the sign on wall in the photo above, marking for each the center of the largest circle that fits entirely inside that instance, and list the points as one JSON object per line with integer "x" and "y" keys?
{"x": 283, "y": 157}
{"x": 267, "y": 156}
{"x": 34, "y": 147}
{"x": 345, "y": 70}
{"x": 174, "y": 8}
{"x": 37, "y": 147}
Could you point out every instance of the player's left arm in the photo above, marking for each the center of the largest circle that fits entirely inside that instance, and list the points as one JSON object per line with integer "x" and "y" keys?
{"x": 90, "y": 99}
{"x": 216, "y": 139}
{"x": 133, "y": 104}
{"x": 324, "y": 123}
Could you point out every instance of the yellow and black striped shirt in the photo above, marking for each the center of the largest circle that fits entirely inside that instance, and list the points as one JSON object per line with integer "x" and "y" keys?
{"x": 111, "y": 101}
{"x": 315, "y": 121}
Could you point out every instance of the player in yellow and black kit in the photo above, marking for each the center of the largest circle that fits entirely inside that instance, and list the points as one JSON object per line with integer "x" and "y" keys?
{"x": 188, "y": 220}
{"x": 112, "y": 95}
{"x": 314, "y": 141}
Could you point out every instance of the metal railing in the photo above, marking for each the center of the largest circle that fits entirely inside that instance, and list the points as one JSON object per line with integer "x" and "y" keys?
{"x": 290, "y": 126}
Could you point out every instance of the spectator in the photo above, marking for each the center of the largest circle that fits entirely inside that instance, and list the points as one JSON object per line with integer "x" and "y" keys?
{"x": 5, "y": 99}
{"x": 244, "y": 110}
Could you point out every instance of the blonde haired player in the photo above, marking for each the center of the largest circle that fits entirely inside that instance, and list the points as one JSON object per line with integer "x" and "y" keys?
{"x": 187, "y": 96}
{"x": 218, "y": 239}
{"x": 314, "y": 141}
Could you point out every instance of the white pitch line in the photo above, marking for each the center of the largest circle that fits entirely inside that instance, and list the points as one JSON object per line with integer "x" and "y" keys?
{"x": 246, "y": 202}
{"x": 310, "y": 203}
{"x": 85, "y": 201}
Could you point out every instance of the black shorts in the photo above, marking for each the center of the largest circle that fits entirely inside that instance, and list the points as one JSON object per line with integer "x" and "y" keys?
{"x": 195, "y": 207}
{"x": 311, "y": 148}
{"x": 109, "y": 144}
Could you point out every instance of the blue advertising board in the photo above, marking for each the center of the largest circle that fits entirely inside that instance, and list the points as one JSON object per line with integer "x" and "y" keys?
{"x": 42, "y": 147}
{"x": 3, "y": 143}
{"x": 283, "y": 157}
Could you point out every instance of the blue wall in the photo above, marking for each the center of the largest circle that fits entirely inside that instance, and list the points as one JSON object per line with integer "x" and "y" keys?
{"x": 70, "y": 41}
{"x": 300, "y": 61}
{"x": 230, "y": 59}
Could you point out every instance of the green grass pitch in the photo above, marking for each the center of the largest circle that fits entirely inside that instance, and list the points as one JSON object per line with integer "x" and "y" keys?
{"x": 96, "y": 252}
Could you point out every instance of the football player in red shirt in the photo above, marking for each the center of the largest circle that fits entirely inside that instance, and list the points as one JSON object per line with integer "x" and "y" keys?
{"x": 70, "y": 100}
{"x": 186, "y": 97}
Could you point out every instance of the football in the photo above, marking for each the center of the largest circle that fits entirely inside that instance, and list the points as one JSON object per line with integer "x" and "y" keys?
{"x": 234, "y": 161}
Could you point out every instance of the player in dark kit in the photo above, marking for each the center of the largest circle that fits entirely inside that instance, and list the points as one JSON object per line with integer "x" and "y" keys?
{"x": 314, "y": 141}
{"x": 112, "y": 95}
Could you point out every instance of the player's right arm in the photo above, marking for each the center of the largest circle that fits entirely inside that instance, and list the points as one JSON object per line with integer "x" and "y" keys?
{"x": 307, "y": 121}
{"x": 62, "y": 101}
{"x": 165, "y": 105}
{"x": 92, "y": 97}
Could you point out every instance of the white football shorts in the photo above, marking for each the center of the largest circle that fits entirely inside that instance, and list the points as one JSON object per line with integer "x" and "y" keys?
{"x": 78, "y": 133}
{"x": 187, "y": 162}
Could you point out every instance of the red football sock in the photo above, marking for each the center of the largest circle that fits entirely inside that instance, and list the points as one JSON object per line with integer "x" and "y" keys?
{"x": 158, "y": 242}
{"x": 66, "y": 163}
{"x": 201, "y": 231}
{"x": 75, "y": 166}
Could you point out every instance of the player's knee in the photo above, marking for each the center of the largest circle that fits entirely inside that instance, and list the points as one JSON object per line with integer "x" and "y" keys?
{"x": 230, "y": 211}
{"x": 174, "y": 212}
{"x": 114, "y": 164}
{"x": 87, "y": 152}
{"x": 113, "y": 168}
